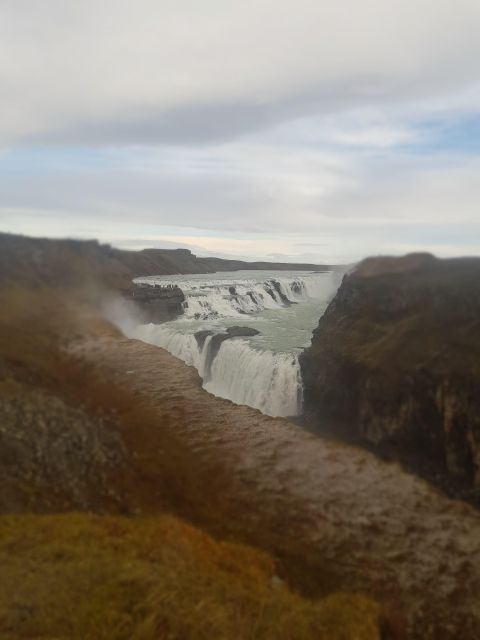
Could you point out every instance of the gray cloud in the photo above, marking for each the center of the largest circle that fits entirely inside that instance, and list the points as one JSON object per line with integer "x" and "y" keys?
{"x": 273, "y": 128}
{"x": 207, "y": 123}
{"x": 140, "y": 72}
{"x": 340, "y": 205}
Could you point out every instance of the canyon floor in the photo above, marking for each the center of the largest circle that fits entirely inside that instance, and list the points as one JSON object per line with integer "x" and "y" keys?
{"x": 333, "y": 514}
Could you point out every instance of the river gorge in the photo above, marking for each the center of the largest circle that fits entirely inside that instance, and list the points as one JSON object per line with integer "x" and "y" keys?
{"x": 243, "y": 331}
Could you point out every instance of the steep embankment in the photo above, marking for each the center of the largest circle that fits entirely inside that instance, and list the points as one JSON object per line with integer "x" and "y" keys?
{"x": 395, "y": 363}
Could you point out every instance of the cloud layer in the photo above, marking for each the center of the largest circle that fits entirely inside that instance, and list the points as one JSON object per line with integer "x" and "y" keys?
{"x": 297, "y": 128}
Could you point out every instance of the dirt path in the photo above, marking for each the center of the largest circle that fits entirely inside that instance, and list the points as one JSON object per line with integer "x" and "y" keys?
{"x": 384, "y": 529}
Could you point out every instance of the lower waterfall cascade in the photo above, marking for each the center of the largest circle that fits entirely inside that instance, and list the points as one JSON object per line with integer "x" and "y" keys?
{"x": 262, "y": 370}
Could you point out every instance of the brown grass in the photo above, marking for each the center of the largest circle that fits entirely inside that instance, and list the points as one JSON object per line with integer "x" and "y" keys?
{"x": 92, "y": 578}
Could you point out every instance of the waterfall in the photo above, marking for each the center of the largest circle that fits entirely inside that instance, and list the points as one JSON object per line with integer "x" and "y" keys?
{"x": 181, "y": 345}
{"x": 260, "y": 379}
{"x": 227, "y": 298}
{"x": 249, "y": 372}
{"x": 264, "y": 380}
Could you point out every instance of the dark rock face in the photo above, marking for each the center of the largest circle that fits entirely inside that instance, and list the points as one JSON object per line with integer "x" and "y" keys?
{"x": 242, "y": 331}
{"x": 158, "y": 303}
{"x": 216, "y": 342}
{"x": 201, "y": 336}
{"x": 230, "y": 332}
{"x": 395, "y": 364}
{"x": 296, "y": 287}
{"x": 283, "y": 297}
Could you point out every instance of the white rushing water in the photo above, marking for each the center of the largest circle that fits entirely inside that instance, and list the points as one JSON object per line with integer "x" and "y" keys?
{"x": 262, "y": 370}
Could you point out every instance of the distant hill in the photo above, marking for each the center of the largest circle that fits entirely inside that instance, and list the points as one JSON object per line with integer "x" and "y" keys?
{"x": 172, "y": 261}
{"x": 70, "y": 262}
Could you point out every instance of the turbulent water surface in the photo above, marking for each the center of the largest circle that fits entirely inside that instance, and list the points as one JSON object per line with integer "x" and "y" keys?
{"x": 262, "y": 370}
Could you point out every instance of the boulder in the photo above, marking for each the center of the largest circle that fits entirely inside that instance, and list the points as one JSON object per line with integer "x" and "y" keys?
{"x": 235, "y": 332}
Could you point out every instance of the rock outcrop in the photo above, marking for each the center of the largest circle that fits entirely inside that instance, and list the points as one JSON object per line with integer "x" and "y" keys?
{"x": 238, "y": 332}
{"x": 217, "y": 338}
{"x": 230, "y": 332}
{"x": 395, "y": 364}
{"x": 158, "y": 303}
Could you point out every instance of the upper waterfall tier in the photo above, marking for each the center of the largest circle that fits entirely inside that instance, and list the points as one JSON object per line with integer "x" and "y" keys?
{"x": 235, "y": 295}
{"x": 243, "y": 332}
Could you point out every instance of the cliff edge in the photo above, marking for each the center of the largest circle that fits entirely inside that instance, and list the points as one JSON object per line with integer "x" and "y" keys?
{"x": 395, "y": 364}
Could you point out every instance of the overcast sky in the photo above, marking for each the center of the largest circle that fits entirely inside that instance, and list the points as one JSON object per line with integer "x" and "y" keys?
{"x": 319, "y": 130}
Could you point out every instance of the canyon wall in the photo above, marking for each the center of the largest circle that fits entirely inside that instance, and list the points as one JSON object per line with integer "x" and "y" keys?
{"x": 395, "y": 364}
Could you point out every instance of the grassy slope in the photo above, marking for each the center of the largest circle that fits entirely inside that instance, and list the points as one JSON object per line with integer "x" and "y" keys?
{"x": 90, "y": 577}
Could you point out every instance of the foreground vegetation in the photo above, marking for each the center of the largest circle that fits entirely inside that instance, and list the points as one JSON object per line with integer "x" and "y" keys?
{"x": 88, "y": 577}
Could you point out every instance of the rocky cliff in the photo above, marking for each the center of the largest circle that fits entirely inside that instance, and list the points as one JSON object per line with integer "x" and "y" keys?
{"x": 395, "y": 364}
{"x": 158, "y": 303}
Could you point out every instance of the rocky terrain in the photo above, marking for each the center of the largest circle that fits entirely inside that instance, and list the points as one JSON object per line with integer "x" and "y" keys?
{"x": 52, "y": 455}
{"x": 395, "y": 364}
